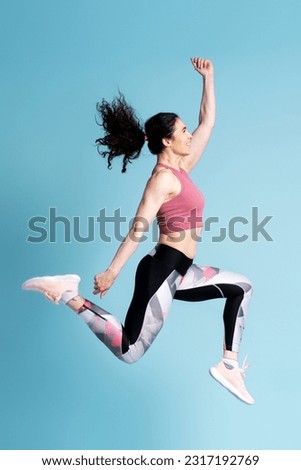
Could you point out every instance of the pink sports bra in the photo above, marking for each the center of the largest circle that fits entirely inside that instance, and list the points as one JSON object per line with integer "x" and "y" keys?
{"x": 185, "y": 210}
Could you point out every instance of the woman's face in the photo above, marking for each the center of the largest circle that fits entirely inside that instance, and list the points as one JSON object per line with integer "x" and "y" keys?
{"x": 181, "y": 139}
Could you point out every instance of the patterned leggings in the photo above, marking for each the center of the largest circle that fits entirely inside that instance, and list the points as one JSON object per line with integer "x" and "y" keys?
{"x": 163, "y": 275}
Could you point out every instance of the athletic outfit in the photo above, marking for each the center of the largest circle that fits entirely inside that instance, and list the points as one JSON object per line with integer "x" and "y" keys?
{"x": 166, "y": 274}
{"x": 163, "y": 275}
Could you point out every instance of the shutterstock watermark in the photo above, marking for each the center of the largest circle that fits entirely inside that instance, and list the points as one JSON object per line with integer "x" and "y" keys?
{"x": 108, "y": 227}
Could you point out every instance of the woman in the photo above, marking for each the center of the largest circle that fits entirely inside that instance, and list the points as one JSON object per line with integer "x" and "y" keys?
{"x": 167, "y": 272}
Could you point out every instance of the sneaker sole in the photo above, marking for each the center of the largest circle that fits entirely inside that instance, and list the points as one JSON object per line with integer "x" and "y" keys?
{"x": 219, "y": 378}
{"x": 27, "y": 285}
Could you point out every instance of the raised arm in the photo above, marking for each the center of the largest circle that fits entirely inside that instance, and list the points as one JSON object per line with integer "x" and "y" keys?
{"x": 158, "y": 187}
{"x": 202, "y": 133}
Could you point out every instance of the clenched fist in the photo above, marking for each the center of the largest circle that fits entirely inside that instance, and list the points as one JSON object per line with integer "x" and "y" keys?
{"x": 103, "y": 282}
{"x": 202, "y": 66}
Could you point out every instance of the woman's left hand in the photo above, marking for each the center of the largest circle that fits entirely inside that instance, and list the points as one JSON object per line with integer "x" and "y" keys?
{"x": 202, "y": 66}
{"x": 102, "y": 282}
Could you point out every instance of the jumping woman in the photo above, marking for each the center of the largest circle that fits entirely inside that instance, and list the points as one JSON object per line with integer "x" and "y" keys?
{"x": 168, "y": 271}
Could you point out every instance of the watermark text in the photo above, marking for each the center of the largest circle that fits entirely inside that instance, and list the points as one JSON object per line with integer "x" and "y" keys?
{"x": 108, "y": 227}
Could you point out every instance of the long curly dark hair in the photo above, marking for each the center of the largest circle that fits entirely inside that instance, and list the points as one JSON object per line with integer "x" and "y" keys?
{"x": 124, "y": 134}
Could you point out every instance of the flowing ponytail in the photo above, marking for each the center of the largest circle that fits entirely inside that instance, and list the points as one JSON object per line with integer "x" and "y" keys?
{"x": 123, "y": 132}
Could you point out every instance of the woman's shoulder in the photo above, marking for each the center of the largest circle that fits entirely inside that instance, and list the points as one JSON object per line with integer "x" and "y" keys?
{"x": 162, "y": 170}
{"x": 163, "y": 180}
{"x": 163, "y": 176}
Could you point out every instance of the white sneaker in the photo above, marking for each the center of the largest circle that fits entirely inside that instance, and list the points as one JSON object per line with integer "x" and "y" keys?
{"x": 232, "y": 378}
{"x": 53, "y": 287}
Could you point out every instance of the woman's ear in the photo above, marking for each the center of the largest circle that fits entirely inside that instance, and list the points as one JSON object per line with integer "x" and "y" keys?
{"x": 166, "y": 142}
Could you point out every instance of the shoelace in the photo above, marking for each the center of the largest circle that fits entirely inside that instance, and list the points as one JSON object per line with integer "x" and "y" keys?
{"x": 244, "y": 366}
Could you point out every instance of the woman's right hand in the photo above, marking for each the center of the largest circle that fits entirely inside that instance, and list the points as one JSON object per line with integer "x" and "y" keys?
{"x": 202, "y": 66}
{"x": 102, "y": 282}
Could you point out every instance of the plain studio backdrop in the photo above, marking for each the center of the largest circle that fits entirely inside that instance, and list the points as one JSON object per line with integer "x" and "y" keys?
{"x": 60, "y": 387}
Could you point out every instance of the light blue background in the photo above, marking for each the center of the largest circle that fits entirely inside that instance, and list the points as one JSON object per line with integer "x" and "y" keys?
{"x": 61, "y": 388}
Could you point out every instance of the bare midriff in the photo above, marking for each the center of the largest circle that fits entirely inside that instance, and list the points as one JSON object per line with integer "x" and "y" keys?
{"x": 184, "y": 241}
